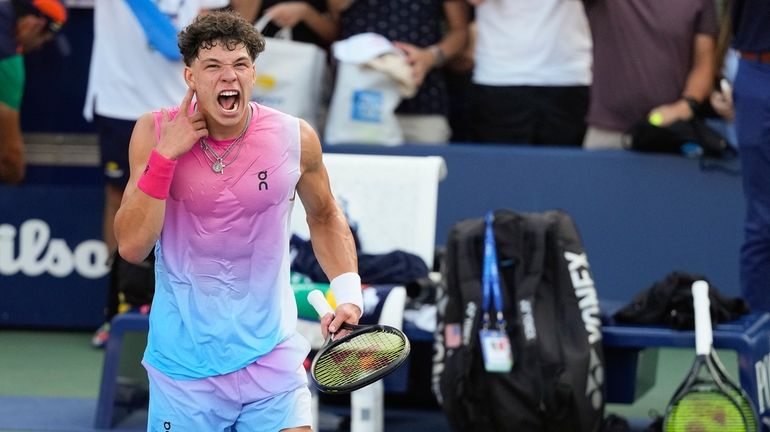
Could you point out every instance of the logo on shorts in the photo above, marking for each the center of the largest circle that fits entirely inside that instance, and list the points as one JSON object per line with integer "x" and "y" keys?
{"x": 166, "y": 425}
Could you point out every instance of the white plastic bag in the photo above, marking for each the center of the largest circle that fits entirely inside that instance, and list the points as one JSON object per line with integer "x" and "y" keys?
{"x": 290, "y": 75}
{"x": 363, "y": 104}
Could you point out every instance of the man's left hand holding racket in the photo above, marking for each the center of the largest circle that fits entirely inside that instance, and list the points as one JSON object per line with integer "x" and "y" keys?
{"x": 361, "y": 356}
{"x": 332, "y": 321}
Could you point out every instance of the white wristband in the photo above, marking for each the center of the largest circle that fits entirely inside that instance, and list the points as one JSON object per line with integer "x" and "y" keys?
{"x": 347, "y": 289}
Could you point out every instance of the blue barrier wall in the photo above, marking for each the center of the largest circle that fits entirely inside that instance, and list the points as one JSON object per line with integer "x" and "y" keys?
{"x": 52, "y": 262}
{"x": 640, "y": 216}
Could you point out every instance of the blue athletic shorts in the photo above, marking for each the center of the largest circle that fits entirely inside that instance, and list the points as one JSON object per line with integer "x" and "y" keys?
{"x": 268, "y": 395}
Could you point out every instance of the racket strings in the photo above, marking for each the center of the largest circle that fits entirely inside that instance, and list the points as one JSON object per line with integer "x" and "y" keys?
{"x": 358, "y": 357}
{"x": 736, "y": 393}
{"x": 746, "y": 409}
{"x": 709, "y": 411}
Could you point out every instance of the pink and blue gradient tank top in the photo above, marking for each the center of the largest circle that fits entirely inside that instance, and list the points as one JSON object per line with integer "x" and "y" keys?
{"x": 223, "y": 297}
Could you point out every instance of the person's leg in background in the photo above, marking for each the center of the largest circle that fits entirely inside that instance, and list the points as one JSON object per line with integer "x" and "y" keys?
{"x": 114, "y": 136}
{"x": 563, "y": 115}
{"x": 752, "y": 116}
{"x": 503, "y": 115}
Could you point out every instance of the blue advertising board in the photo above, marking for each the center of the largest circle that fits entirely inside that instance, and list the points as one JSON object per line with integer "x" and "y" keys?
{"x": 53, "y": 263}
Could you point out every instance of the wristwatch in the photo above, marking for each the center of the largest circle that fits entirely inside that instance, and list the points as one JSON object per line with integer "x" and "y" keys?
{"x": 693, "y": 103}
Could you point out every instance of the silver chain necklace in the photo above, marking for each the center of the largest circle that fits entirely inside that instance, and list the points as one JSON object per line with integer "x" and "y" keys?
{"x": 217, "y": 162}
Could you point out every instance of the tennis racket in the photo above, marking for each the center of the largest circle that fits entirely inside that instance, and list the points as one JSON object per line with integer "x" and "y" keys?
{"x": 747, "y": 406}
{"x": 367, "y": 354}
{"x": 705, "y": 401}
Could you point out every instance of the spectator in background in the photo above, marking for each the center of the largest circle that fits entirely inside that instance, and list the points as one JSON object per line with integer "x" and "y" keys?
{"x": 458, "y": 74}
{"x": 429, "y": 32}
{"x": 649, "y": 56}
{"x": 128, "y": 78}
{"x": 720, "y": 100}
{"x": 309, "y": 19}
{"x": 751, "y": 29}
{"x": 25, "y": 25}
{"x": 532, "y": 72}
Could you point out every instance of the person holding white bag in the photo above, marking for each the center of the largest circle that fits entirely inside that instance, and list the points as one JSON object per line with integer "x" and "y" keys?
{"x": 429, "y": 33}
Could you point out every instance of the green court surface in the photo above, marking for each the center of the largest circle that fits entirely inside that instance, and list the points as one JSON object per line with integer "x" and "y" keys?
{"x": 64, "y": 365}
{"x": 49, "y": 364}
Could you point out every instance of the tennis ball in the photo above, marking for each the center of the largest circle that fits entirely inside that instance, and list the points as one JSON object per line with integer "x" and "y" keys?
{"x": 656, "y": 119}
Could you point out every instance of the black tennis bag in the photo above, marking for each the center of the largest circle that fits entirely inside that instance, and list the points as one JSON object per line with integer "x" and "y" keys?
{"x": 553, "y": 323}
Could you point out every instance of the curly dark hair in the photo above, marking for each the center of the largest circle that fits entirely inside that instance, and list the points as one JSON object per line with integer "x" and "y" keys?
{"x": 221, "y": 27}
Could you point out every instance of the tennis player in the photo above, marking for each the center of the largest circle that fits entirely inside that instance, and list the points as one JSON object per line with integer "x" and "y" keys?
{"x": 212, "y": 186}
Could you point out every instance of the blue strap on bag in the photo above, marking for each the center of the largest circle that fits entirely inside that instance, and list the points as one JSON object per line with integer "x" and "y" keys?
{"x": 160, "y": 31}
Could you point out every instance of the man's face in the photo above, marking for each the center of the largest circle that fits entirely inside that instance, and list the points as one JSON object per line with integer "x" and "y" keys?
{"x": 32, "y": 32}
{"x": 222, "y": 80}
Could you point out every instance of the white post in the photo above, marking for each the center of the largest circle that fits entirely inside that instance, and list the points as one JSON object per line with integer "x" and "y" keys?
{"x": 367, "y": 405}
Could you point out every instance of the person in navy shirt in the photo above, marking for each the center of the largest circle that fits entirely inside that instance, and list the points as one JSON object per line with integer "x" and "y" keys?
{"x": 751, "y": 27}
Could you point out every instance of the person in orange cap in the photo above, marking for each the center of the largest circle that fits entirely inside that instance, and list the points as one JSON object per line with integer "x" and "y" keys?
{"x": 25, "y": 25}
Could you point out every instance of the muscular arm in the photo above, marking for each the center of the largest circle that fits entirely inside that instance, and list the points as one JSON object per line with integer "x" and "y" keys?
{"x": 12, "y": 166}
{"x": 329, "y": 231}
{"x": 139, "y": 220}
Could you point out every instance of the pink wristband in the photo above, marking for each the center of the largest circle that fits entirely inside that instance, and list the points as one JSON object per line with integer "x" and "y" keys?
{"x": 156, "y": 179}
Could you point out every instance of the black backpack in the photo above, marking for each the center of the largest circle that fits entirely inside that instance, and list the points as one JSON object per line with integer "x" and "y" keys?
{"x": 557, "y": 380}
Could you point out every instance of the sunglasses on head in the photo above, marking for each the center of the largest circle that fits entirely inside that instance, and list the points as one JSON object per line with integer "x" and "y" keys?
{"x": 29, "y": 6}
{"x": 51, "y": 25}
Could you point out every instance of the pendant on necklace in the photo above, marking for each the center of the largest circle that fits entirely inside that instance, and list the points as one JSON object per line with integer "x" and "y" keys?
{"x": 218, "y": 167}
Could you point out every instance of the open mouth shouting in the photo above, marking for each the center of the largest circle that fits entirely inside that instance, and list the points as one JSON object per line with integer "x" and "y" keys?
{"x": 229, "y": 100}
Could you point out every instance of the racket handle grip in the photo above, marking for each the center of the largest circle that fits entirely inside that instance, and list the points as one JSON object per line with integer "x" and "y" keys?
{"x": 702, "y": 309}
{"x": 318, "y": 301}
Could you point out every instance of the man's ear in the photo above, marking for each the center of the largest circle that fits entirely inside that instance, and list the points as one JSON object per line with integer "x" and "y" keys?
{"x": 189, "y": 78}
